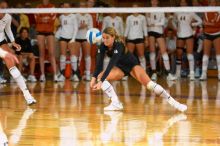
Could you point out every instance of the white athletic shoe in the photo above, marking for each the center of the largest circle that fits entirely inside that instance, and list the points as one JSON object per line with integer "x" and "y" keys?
{"x": 192, "y": 76}
{"x": 171, "y": 77}
{"x": 114, "y": 106}
{"x": 75, "y": 78}
{"x": 87, "y": 77}
{"x": 177, "y": 105}
{"x": 2, "y": 80}
{"x": 203, "y": 77}
{"x": 29, "y": 99}
{"x": 3, "y": 139}
{"x": 32, "y": 78}
{"x": 42, "y": 78}
{"x": 154, "y": 77}
{"x": 182, "y": 107}
{"x": 59, "y": 78}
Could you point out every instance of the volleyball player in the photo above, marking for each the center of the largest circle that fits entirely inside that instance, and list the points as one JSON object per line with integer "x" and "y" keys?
{"x": 10, "y": 60}
{"x": 136, "y": 35}
{"x": 85, "y": 22}
{"x": 45, "y": 29}
{"x": 67, "y": 35}
{"x": 211, "y": 31}
{"x": 185, "y": 22}
{"x": 112, "y": 20}
{"x": 156, "y": 22}
{"x": 121, "y": 64}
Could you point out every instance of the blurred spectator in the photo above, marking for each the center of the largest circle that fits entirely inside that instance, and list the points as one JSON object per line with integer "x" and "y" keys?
{"x": 26, "y": 52}
{"x": 24, "y": 20}
{"x": 15, "y": 23}
{"x": 32, "y": 22}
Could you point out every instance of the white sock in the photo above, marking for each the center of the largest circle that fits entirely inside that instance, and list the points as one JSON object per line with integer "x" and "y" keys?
{"x": 73, "y": 60}
{"x": 218, "y": 62}
{"x": 126, "y": 91}
{"x": 191, "y": 62}
{"x": 62, "y": 62}
{"x": 106, "y": 61}
{"x": 204, "y": 93}
{"x": 143, "y": 62}
{"x": 178, "y": 68}
{"x": 15, "y": 73}
{"x": 88, "y": 64}
{"x": 191, "y": 93}
{"x": 153, "y": 60}
{"x": 156, "y": 88}
{"x": 109, "y": 90}
{"x": 166, "y": 61}
{"x": 205, "y": 62}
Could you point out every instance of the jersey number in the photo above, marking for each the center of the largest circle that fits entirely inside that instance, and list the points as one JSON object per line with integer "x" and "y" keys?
{"x": 182, "y": 18}
{"x": 135, "y": 22}
{"x": 65, "y": 22}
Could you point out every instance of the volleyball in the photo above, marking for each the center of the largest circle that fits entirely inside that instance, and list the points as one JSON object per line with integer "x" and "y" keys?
{"x": 93, "y": 36}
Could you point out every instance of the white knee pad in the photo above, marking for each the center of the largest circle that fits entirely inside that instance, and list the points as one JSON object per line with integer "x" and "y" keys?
{"x": 87, "y": 58}
{"x": 152, "y": 86}
{"x": 62, "y": 58}
{"x": 105, "y": 85}
{"x": 73, "y": 58}
{"x": 205, "y": 58}
{"x": 141, "y": 58}
{"x": 15, "y": 73}
{"x": 152, "y": 55}
{"x": 218, "y": 58}
{"x": 165, "y": 57}
{"x": 190, "y": 57}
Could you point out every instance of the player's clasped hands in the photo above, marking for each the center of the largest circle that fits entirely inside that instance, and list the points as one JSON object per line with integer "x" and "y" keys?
{"x": 94, "y": 85}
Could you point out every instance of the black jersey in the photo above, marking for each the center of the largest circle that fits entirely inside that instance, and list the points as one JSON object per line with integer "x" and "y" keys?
{"x": 119, "y": 57}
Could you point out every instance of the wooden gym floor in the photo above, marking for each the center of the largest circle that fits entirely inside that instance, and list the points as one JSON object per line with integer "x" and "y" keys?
{"x": 69, "y": 114}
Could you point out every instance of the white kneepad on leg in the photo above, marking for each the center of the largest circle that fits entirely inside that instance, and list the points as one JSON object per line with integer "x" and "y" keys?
{"x": 205, "y": 58}
{"x": 190, "y": 57}
{"x": 73, "y": 58}
{"x": 62, "y": 58}
{"x": 152, "y": 55}
{"x": 14, "y": 72}
{"x": 152, "y": 86}
{"x": 165, "y": 57}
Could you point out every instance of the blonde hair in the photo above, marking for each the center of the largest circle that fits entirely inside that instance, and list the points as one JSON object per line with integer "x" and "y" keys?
{"x": 111, "y": 31}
